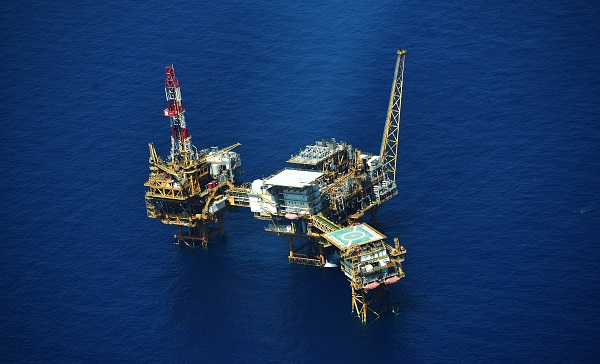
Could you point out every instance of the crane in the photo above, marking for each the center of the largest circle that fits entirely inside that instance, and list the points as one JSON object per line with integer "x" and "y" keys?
{"x": 391, "y": 132}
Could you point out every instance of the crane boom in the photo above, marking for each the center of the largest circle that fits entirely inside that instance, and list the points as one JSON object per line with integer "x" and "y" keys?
{"x": 391, "y": 133}
{"x": 225, "y": 150}
{"x": 157, "y": 161}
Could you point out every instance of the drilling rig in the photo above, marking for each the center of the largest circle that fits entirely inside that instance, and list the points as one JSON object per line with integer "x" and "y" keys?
{"x": 189, "y": 188}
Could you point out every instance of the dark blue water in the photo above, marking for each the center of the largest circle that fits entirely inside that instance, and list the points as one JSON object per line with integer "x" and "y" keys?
{"x": 499, "y": 203}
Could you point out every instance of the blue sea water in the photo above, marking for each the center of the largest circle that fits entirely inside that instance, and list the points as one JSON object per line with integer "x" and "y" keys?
{"x": 499, "y": 203}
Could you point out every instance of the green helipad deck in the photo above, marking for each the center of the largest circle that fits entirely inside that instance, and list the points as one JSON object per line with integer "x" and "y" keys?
{"x": 353, "y": 235}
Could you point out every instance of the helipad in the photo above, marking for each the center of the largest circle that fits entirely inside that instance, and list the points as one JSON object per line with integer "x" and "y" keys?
{"x": 353, "y": 235}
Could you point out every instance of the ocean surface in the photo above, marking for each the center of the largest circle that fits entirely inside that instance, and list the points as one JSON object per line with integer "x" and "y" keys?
{"x": 499, "y": 202}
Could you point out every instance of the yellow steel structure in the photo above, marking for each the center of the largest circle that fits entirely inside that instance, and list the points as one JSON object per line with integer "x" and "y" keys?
{"x": 190, "y": 188}
{"x": 184, "y": 193}
{"x": 365, "y": 296}
{"x": 323, "y": 224}
{"x": 391, "y": 133}
{"x": 321, "y": 199}
{"x": 315, "y": 206}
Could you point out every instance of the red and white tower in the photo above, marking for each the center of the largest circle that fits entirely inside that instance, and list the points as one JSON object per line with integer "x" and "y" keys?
{"x": 181, "y": 141}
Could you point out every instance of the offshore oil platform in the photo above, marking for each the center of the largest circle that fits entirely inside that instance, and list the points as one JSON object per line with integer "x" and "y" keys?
{"x": 316, "y": 204}
{"x": 190, "y": 188}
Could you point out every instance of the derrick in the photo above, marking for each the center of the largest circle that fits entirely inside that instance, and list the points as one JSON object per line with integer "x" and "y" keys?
{"x": 181, "y": 141}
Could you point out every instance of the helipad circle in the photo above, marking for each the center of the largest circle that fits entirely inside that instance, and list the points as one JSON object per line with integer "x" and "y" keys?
{"x": 352, "y": 235}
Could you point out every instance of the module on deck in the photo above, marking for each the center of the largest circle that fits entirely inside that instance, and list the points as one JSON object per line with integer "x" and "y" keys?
{"x": 320, "y": 152}
{"x": 367, "y": 260}
{"x": 293, "y": 178}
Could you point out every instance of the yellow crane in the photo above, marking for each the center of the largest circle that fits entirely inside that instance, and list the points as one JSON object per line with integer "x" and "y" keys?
{"x": 391, "y": 133}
